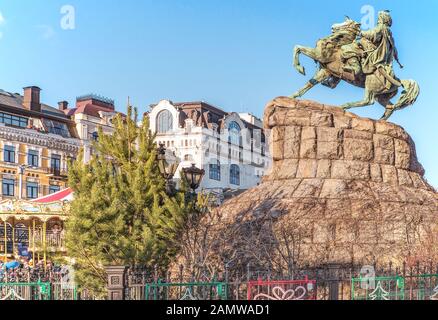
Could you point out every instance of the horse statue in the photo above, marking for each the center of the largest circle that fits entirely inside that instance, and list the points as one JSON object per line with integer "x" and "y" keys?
{"x": 366, "y": 63}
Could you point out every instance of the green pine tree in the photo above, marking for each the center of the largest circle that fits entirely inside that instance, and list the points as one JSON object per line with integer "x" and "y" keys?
{"x": 121, "y": 214}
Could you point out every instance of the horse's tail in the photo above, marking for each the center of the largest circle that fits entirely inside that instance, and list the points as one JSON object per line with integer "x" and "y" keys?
{"x": 409, "y": 95}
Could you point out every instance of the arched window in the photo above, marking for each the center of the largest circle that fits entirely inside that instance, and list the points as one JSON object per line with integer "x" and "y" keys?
{"x": 234, "y": 133}
{"x": 164, "y": 122}
{"x": 235, "y": 175}
{"x": 215, "y": 171}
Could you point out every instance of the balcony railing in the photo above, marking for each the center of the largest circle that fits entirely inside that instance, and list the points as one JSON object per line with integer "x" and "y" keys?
{"x": 57, "y": 172}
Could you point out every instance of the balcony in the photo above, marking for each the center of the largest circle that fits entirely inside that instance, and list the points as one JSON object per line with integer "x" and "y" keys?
{"x": 57, "y": 173}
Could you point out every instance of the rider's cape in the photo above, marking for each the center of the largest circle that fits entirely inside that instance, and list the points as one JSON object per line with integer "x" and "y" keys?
{"x": 380, "y": 48}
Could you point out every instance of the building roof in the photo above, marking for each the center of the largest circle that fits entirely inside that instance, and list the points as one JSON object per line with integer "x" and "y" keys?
{"x": 88, "y": 109}
{"x": 15, "y": 100}
{"x": 13, "y": 103}
{"x": 91, "y": 105}
{"x": 205, "y": 114}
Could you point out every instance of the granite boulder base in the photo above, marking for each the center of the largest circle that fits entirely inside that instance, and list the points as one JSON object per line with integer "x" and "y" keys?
{"x": 343, "y": 189}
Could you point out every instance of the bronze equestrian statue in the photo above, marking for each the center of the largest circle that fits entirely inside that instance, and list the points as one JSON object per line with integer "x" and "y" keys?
{"x": 363, "y": 59}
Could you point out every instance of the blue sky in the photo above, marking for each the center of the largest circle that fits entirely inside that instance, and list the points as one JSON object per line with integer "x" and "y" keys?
{"x": 232, "y": 53}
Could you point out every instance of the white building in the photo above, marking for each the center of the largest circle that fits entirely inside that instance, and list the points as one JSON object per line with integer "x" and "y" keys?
{"x": 230, "y": 147}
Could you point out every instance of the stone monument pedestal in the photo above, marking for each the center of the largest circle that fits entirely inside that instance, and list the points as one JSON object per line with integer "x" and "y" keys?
{"x": 343, "y": 189}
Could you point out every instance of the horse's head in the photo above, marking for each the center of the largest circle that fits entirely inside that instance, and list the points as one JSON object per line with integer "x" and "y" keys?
{"x": 348, "y": 25}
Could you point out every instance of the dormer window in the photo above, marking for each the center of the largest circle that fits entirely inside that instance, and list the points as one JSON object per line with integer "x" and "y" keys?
{"x": 15, "y": 121}
{"x": 56, "y": 127}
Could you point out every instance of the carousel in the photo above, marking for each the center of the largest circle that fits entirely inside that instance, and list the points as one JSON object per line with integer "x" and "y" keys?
{"x": 32, "y": 230}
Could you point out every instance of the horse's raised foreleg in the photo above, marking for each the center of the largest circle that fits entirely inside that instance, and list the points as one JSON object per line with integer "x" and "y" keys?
{"x": 310, "y": 52}
{"x": 367, "y": 101}
{"x": 320, "y": 76}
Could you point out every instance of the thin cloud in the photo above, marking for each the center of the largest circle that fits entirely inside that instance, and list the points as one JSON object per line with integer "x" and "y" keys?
{"x": 47, "y": 32}
{"x": 2, "y": 21}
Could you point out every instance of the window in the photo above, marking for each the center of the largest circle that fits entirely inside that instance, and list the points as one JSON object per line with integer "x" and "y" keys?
{"x": 13, "y": 120}
{"x": 55, "y": 164}
{"x": 188, "y": 157}
{"x": 235, "y": 175}
{"x": 32, "y": 190}
{"x": 32, "y": 158}
{"x": 54, "y": 189}
{"x": 164, "y": 122}
{"x": 234, "y": 133}
{"x": 58, "y": 128}
{"x": 215, "y": 171}
{"x": 95, "y": 136}
{"x": 9, "y": 154}
{"x": 8, "y": 187}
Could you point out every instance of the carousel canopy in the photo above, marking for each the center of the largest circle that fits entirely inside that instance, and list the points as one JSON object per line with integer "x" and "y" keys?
{"x": 63, "y": 195}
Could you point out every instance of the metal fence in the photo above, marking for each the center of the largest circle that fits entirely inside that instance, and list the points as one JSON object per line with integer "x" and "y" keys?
{"x": 330, "y": 282}
{"x": 416, "y": 287}
{"x": 37, "y": 284}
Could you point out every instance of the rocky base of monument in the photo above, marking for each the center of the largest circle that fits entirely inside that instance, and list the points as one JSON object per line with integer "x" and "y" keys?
{"x": 343, "y": 190}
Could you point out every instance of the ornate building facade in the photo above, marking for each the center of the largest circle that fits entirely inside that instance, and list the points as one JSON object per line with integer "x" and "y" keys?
{"x": 36, "y": 142}
{"x": 230, "y": 147}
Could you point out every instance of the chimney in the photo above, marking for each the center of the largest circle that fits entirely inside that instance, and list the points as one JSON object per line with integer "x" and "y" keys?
{"x": 31, "y": 99}
{"x": 63, "y": 105}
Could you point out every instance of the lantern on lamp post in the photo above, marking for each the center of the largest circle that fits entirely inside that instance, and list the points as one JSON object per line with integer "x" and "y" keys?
{"x": 168, "y": 164}
{"x": 193, "y": 176}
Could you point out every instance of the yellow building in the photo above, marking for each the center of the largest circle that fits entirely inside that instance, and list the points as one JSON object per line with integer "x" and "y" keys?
{"x": 36, "y": 143}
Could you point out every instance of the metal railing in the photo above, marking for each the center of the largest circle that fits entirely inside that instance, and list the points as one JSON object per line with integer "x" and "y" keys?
{"x": 57, "y": 172}
{"x": 329, "y": 282}
{"x": 39, "y": 283}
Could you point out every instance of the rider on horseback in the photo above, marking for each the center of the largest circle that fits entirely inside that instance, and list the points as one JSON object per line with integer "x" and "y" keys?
{"x": 376, "y": 49}
{"x": 366, "y": 63}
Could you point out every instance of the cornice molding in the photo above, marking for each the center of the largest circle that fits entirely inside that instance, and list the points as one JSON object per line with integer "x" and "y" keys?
{"x": 45, "y": 140}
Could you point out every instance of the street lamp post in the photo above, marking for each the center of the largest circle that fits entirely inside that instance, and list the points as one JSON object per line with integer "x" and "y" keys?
{"x": 168, "y": 164}
{"x": 193, "y": 176}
